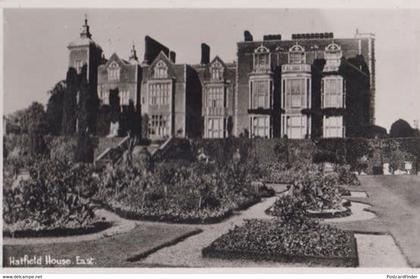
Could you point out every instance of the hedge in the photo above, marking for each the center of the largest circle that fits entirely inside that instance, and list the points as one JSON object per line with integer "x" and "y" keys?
{"x": 360, "y": 153}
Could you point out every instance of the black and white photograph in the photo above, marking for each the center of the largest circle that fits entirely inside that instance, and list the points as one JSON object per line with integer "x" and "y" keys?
{"x": 167, "y": 138}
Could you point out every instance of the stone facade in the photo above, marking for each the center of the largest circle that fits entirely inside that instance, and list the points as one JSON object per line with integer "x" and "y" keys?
{"x": 313, "y": 85}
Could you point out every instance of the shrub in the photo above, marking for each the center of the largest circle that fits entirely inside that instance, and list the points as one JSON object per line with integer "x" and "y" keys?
{"x": 56, "y": 196}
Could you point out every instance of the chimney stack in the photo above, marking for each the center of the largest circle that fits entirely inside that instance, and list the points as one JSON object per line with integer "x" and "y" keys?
{"x": 248, "y": 36}
{"x": 205, "y": 54}
{"x": 172, "y": 56}
{"x": 152, "y": 48}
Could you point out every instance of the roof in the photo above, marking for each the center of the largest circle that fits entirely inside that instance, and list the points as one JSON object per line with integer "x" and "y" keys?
{"x": 85, "y": 41}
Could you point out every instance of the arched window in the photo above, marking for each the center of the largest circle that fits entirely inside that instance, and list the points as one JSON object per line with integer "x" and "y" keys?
{"x": 216, "y": 70}
{"x": 262, "y": 61}
{"x": 332, "y": 56}
{"x": 297, "y": 54}
{"x": 114, "y": 71}
{"x": 161, "y": 70}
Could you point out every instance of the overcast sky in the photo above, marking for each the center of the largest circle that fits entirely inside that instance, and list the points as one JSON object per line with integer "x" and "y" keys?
{"x": 36, "y": 55}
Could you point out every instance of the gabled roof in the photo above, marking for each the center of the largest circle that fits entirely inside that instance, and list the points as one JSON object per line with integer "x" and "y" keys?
{"x": 116, "y": 58}
{"x": 161, "y": 56}
{"x": 217, "y": 58}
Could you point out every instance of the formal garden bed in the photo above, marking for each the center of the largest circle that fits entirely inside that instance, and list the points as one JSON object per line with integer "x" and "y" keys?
{"x": 273, "y": 240}
{"x": 54, "y": 201}
{"x": 196, "y": 193}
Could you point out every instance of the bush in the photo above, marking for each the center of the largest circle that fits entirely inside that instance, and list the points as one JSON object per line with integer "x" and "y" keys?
{"x": 195, "y": 193}
{"x": 57, "y": 196}
{"x": 346, "y": 176}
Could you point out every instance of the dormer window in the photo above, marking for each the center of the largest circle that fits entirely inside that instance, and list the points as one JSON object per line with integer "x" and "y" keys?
{"x": 262, "y": 61}
{"x": 332, "y": 56}
{"x": 297, "y": 54}
{"x": 216, "y": 71}
{"x": 114, "y": 72}
{"x": 161, "y": 70}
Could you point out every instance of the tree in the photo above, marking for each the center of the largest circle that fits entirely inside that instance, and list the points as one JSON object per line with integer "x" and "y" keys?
{"x": 33, "y": 119}
{"x": 401, "y": 129}
{"x": 54, "y": 113}
{"x": 68, "y": 126}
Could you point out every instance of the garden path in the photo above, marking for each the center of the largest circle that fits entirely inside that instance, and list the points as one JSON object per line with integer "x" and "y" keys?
{"x": 374, "y": 250}
{"x": 188, "y": 252}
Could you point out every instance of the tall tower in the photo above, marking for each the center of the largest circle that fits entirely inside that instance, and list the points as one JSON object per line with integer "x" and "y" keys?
{"x": 84, "y": 51}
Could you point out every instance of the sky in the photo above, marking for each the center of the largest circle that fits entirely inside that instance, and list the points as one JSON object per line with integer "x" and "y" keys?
{"x": 36, "y": 54}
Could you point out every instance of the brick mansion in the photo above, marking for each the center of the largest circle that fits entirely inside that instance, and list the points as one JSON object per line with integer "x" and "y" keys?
{"x": 309, "y": 86}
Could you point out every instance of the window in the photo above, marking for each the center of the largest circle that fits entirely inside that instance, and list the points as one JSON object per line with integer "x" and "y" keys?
{"x": 114, "y": 72}
{"x": 261, "y": 93}
{"x": 78, "y": 66}
{"x": 161, "y": 70}
{"x": 260, "y": 126}
{"x": 333, "y": 127}
{"x": 262, "y": 61}
{"x": 295, "y": 93}
{"x": 332, "y": 56}
{"x": 215, "y": 127}
{"x": 125, "y": 98}
{"x": 158, "y": 125}
{"x": 159, "y": 93}
{"x": 105, "y": 97}
{"x": 332, "y": 92}
{"x": 296, "y": 127}
{"x": 215, "y": 97}
{"x": 297, "y": 54}
{"x": 216, "y": 71}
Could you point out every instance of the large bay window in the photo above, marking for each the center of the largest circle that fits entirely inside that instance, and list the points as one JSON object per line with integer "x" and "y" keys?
{"x": 160, "y": 70}
{"x": 159, "y": 125}
{"x": 296, "y": 93}
{"x": 216, "y": 70}
{"x": 262, "y": 60}
{"x": 297, "y": 55}
{"x": 114, "y": 72}
{"x": 260, "y": 126}
{"x": 261, "y": 94}
{"x": 216, "y": 127}
{"x": 332, "y": 92}
{"x": 296, "y": 126}
{"x": 125, "y": 98}
{"x": 159, "y": 93}
{"x": 215, "y": 97}
{"x": 333, "y": 127}
{"x": 332, "y": 57}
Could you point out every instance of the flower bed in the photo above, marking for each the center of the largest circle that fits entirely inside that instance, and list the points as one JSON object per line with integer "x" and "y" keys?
{"x": 309, "y": 242}
{"x": 56, "y": 198}
{"x": 66, "y": 230}
{"x": 158, "y": 214}
{"x": 198, "y": 193}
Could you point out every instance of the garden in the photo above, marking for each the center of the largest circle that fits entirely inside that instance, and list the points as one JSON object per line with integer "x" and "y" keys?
{"x": 294, "y": 234}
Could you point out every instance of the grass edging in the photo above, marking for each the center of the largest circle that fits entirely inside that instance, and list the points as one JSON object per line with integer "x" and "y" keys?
{"x": 352, "y": 261}
{"x": 59, "y": 232}
{"x": 174, "y": 241}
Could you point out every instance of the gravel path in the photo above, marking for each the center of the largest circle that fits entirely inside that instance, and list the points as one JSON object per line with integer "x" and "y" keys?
{"x": 358, "y": 213}
{"x": 379, "y": 251}
{"x": 188, "y": 252}
{"x": 374, "y": 250}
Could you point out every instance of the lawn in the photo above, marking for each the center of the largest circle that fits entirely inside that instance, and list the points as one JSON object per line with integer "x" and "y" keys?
{"x": 396, "y": 201}
{"x": 118, "y": 251}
